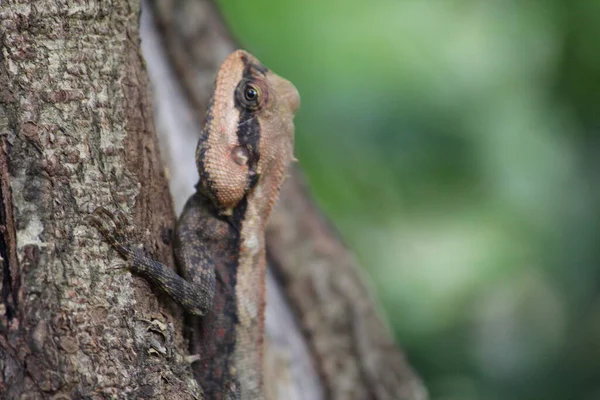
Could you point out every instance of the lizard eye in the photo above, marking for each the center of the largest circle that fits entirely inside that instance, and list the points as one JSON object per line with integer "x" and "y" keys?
{"x": 250, "y": 95}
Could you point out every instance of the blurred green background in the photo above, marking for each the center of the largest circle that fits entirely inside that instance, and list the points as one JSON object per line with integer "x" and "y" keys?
{"x": 455, "y": 145}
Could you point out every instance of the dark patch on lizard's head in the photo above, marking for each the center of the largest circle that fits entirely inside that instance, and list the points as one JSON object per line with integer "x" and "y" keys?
{"x": 248, "y": 130}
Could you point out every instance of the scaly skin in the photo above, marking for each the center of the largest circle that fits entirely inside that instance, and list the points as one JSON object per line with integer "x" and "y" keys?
{"x": 242, "y": 156}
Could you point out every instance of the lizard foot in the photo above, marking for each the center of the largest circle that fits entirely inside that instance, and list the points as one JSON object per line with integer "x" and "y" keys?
{"x": 115, "y": 228}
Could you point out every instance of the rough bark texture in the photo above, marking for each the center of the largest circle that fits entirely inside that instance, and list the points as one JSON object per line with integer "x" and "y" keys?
{"x": 76, "y": 132}
{"x": 317, "y": 300}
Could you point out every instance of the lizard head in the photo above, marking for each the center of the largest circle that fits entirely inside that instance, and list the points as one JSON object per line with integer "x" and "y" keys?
{"x": 248, "y": 131}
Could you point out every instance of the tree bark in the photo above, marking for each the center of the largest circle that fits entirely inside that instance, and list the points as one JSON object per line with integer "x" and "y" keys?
{"x": 76, "y": 132}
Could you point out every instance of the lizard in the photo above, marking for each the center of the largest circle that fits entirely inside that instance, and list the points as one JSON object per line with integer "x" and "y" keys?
{"x": 242, "y": 156}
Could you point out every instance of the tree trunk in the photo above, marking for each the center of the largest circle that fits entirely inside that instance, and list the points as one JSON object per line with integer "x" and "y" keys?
{"x": 76, "y": 133}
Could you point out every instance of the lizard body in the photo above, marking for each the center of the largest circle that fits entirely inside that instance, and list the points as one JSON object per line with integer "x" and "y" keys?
{"x": 242, "y": 156}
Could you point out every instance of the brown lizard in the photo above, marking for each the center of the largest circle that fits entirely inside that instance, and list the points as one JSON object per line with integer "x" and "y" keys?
{"x": 242, "y": 156}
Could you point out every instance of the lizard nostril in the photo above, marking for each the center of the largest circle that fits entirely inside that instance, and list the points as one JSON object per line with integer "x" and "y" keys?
{"x": 240, "y": 155}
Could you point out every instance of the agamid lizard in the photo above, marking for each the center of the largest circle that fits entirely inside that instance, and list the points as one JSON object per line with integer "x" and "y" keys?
{"x": 242, "y": 156}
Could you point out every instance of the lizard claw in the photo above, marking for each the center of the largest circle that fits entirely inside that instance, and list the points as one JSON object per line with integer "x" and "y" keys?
{"x": 114, "y": 227}
{"x": 118, "y": 267}
{"x": 122, "y": 224}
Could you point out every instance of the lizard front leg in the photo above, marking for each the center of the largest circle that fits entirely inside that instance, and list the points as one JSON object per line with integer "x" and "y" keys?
{"x": 192, "y": 296}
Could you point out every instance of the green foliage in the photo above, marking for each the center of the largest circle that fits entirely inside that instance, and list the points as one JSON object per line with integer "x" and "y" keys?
{"x": 455, "y": 144}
